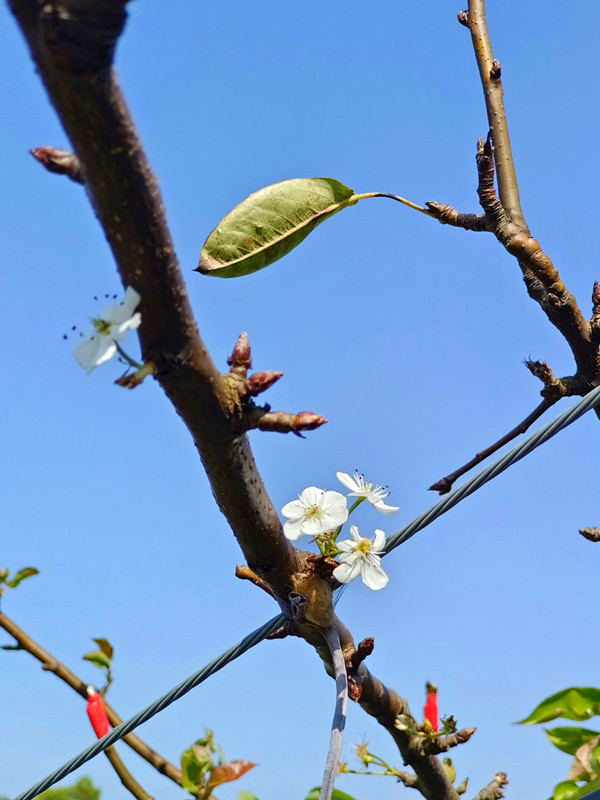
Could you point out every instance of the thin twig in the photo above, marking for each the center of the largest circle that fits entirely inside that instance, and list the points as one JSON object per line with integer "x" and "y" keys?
{"x": 126, "y": 778}
{"x": 51, "y": 664}
{"x": 494, "y": 103}
{"x": 444, "y": 485}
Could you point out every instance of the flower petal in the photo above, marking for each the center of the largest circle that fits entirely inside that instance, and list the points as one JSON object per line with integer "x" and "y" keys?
{"x": 312, "y": 496}
{"x": 294, "y": 509}
{"x": 354, "y": 533}
{"x": 383, "y": 508}
{"x": 378, "y": 541}
{"x": 293, "y": 529}
{"x": 94, "y": 350}
{"x": 373, "y": 575}
{"x": 347, "y": 481}
{"x": 346, "y": 572}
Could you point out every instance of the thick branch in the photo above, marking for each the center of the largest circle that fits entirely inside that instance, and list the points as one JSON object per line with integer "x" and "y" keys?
{"x": 73, "y": 58}
{"x": 72, "y": 51}
{"x": 489, "y": 72}
{"x": 51, "y": 664}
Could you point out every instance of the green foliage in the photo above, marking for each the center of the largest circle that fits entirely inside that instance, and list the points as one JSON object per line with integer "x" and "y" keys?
{"x": 18, "y": 577}
{"x": 102, "y": 658}
{"x": 566, "y": 790}
{"x": 199, "y": 773}
{"x": 84, "y": 789}
{"x": 569, "y": 739}
{"x": 575, "y": 703}
{"x": 270, "y": 223}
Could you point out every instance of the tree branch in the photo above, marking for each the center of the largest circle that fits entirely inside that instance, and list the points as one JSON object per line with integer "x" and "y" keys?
{"x": 493, "y": 791}
{"x": 489, "y": 72}
{"x": 51, "y": 664}
{"x": 444, "y": 485}
{"x": 73, "y": 53}
{"x": 127, "y": 779}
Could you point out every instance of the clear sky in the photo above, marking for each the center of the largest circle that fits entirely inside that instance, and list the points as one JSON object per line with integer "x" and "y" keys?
{"x": 407, "y": 335}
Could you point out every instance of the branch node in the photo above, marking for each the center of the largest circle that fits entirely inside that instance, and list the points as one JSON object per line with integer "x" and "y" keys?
{"x": 554, "y": 388}
{"x": 281, "y": 422}
{"x": 261, "y": 381}
{"x": 591, "y": 534}
{"x": 493, "y": 791}
{"x": 447, "y": 215}
{"x": 60, "y": 162}
{"x": 244, "y": 573}
{"x": 496, "y": 70}
{"x": 241, "y": 354}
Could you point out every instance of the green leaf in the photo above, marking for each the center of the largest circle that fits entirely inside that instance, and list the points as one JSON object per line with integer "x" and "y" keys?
{"x": 98, "y": 658}
{"x": 246, "y": 796}
{"x": 566, "y": 790}
{"x": 575, "y": 703}
{"x": 593, "y": 786}
{"x": 569, "y": 739}
{"x": 269, "y": 223}
{"x": 196, "y": 762}
{"x": 337, "y": 795}
{"x": 105, "y": 646}
{"x": 26, "y": 572}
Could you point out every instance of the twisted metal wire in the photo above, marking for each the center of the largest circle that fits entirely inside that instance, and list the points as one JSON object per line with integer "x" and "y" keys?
{"x": 154, "y": 708}
{"x": 515, "y": 454}
{"x": 449, "y": 501}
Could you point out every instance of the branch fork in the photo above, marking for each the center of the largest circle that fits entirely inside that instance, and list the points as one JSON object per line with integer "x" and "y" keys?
{"x": 237, "y": 389}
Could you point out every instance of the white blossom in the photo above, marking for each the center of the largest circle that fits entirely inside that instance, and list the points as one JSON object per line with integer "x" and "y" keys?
{"x": 314, "y": 512}
{"x": 109, "y": 328}
{"x": 372, "y": 492}
{"x": 361, "y": 556}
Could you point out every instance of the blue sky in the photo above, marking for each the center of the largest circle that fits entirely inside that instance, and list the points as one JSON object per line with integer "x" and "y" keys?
{"x": 407, "y": 335}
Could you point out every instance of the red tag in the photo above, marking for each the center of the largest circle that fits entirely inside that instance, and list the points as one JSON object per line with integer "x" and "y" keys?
{"x": 430, "y": 712}
{"x": 97, "y": 714}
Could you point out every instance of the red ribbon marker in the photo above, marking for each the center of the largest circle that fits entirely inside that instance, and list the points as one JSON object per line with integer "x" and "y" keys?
{"x": 430, "y": 712}
{"x": 96, "y": 713}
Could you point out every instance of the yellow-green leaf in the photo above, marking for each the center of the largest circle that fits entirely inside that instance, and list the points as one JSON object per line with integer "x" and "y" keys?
{"x": 269, "y": 223}
{"x": 105, "y": 646}
{"x": 26, "y": 572}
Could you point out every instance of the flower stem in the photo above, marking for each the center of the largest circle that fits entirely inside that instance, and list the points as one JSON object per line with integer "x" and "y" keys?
{"x": 127, "y": 358}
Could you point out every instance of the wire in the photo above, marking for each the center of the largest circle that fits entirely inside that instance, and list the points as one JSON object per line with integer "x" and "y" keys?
{"x": 398, "y": 538}
{"x": 154, "y": 708}
{"x": 516, "y": 454}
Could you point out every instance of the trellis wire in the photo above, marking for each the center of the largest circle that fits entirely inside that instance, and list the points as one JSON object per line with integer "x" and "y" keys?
{"x": 154, "y": 708}
{"x": 515, "y": 454}
{"x": 449, "y": 501}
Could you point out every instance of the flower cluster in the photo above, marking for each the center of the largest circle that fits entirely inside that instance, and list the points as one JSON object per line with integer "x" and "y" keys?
{"x": 321, "y": 514}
